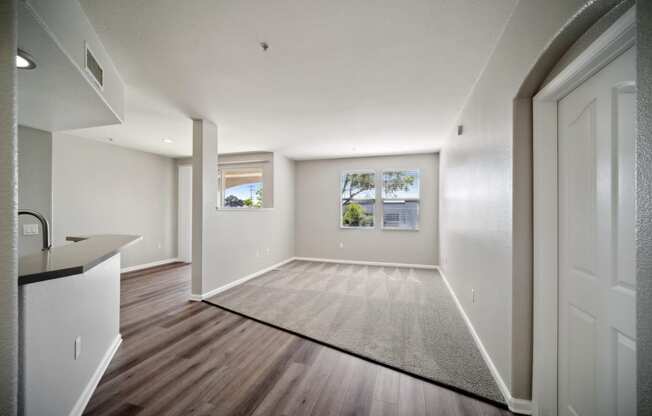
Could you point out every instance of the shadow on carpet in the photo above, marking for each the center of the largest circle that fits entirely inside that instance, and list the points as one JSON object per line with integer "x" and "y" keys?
{"x": 403, "y": 318}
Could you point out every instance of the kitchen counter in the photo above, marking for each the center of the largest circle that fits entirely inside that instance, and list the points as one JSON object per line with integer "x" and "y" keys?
{"x": 72, "y": 259}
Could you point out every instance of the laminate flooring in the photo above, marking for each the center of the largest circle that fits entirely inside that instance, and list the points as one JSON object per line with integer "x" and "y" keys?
{"x": 190, "y": 358}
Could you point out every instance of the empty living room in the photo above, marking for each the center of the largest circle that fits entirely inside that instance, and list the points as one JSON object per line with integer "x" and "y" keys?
{"x": 325, "y": 207}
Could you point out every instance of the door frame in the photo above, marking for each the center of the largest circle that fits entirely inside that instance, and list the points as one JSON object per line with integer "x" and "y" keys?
{"x": 609, "y": 45}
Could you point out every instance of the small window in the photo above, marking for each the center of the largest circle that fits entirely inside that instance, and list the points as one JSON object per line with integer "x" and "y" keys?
{"x": 401, "y": 189}
{"x": 357, "y": 199}
{"x": 241, "y": 187}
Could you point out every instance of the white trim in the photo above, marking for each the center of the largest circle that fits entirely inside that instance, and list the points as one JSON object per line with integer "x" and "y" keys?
{"x": 247, "y": 209}
{"x": 197, "y": 298}
{"x": 82, "y": 401}
{"x": 184, "y": 213}
{"x": 613, "y": 42}
{"x": 242, "y": 162}
{"x": 515, "y": 405}
{"x": 370, "y": 263}
{"x": 222, "y": 181}
{"x": 148, "y": 265}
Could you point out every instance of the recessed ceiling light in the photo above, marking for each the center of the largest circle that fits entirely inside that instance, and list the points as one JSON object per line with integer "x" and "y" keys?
{"x": 24, "y": 60}
{"x": 168, "y": 141}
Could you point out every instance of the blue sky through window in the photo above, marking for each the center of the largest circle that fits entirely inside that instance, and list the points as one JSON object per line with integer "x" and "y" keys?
{"x": 244, "y": 191}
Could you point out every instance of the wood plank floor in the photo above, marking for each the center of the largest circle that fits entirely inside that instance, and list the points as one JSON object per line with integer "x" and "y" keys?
{"x": 191, "y": 358}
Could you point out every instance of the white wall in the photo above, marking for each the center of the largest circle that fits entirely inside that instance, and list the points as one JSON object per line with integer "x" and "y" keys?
{"x": 100, "y": 188}
{"x": 8, "y": 205}
{"x": 67, "y": 22}
{"x": 237, "y": 241}
{"x": 228, "y": 245}
{"x": 34, "y": 183}
{"x": 318, "y": 233}
{"x": 476, "y": 203}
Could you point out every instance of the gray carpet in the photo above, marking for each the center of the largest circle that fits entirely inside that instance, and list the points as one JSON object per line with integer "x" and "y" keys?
{"x": 401, "y": 317}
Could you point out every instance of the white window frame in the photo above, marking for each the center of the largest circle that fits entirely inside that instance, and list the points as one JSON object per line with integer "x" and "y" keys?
{"x": 339, "y": 188}
{"x": 221, "y": 189}
{"x": 382, "y": 200}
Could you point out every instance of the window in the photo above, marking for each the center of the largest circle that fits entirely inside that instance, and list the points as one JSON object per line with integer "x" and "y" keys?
{"x": 401, "y": 189}
{"x": 242, "y": 187}
{"x": 357, "y": 199}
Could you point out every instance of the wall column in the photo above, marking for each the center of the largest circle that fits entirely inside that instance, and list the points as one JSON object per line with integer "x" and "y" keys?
{"x": 204, "y": 197}
{"x": 8, "y": 211}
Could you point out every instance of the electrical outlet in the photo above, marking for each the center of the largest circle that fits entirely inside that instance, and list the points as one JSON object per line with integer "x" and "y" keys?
{"x": 77, "y": 347}
{"x": 30, "y": 229}
{"x": 472, "y": 295}
{"x": 160, "y": 246}
{"x": 268, "y": 251}
{"x": 257, "y": 252}
{"x": 341, "y": 244}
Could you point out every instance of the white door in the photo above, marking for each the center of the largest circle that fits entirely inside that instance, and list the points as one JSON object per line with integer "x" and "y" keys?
{"x": 597, "y": 334}
{"x": 184, "y": 223}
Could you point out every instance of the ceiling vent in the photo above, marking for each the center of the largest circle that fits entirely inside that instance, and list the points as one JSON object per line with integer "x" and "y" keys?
{"x": 93, "y": 68}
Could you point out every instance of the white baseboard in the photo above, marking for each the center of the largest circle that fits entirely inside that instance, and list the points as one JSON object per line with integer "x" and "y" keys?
{"x": 515, "y": 405}
{"x": 197, "y": 298}
{"x": 81, "y": 403}
{"x": 370, "y": 263}
{"x": 148, "y": 265}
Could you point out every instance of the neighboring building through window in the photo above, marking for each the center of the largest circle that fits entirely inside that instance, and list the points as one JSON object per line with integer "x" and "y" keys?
{"x": 240, "y": 187}
{"x": 357, "y": 199}
{"x": 400, "y": 196}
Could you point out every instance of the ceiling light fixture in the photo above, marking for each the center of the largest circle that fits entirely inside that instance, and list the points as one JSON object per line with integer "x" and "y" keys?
{"x": 24, "y": 60}
{"x": 168, "y": 141}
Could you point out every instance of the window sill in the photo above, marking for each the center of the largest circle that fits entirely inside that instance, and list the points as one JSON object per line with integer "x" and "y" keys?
{"x": 342, "y": 227}
{"x": 243, "y": 209}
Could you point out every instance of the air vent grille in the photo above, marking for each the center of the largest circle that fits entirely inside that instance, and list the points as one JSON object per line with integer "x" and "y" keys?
{"x": 94, "y": 68}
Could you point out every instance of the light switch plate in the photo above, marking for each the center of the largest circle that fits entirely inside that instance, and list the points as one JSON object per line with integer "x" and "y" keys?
{"x": 30, "y": 229}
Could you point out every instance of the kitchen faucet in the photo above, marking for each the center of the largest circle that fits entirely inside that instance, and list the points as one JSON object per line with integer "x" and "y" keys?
{"x": 47, "y": 242}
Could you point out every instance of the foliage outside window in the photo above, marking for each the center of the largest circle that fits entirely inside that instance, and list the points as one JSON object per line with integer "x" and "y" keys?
{"x": 241, "y": 187}
{"x": 400, "y": 197}
{"x": 357, "y": 199}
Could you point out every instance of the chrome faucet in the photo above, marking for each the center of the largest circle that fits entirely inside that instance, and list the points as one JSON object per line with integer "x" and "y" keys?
{"x": 45, "y": 226}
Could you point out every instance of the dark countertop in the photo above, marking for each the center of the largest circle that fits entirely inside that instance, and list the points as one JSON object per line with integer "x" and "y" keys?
{"x": 75, "y": 258}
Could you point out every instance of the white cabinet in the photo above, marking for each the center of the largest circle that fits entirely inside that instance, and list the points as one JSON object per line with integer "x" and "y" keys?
{"x": 69, "y": 331}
